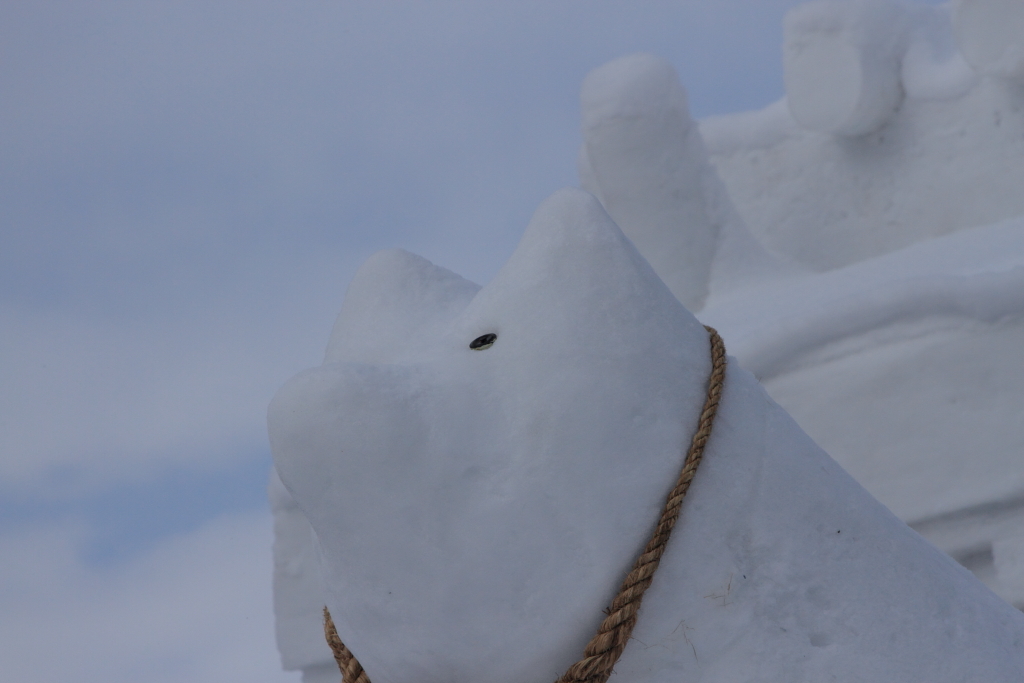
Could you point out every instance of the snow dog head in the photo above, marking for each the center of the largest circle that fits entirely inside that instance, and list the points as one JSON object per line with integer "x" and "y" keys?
{"x": 476, "y": 509}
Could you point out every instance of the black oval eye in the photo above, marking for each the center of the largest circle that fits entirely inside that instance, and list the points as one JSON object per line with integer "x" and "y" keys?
{"x": 484, "y": 341}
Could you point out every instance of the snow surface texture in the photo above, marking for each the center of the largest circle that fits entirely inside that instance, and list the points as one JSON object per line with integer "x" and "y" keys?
{"x": 298, "y": 590}
{"x": 476, "y": 510}
{"x": 991, "y": 35}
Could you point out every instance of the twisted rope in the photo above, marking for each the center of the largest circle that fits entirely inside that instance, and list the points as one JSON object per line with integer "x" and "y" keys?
{"x": 351, "y": 669}
{"x": 605, "y": 648}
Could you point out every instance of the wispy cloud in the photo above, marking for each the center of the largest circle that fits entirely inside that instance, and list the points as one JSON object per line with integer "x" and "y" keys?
{"x": 195, "y": 608}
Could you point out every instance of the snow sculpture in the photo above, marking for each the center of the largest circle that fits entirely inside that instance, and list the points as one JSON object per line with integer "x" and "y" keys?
{"x": 648, "y": 109}
{"x": 475, "y": 510}
{"x": 908, "y": 369}
{"x": 990, "y": 34}
{"x": 899, "y": 361}
{"x": 643, "y": 157}
{"x": 842, "y": 64}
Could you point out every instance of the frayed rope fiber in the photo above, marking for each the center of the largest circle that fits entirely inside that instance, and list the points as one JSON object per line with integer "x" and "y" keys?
{"x": 605, "y": 648}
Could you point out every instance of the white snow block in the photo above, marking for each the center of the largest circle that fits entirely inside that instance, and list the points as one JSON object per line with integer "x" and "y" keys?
{"x": 990, "y": 34}
{"x": 298, "y": 588}
{"x": 841, "y": 64}
{"x": 903, "y": 364}
{"x": 476, "y": 510}
{"x": 643, "y": 157}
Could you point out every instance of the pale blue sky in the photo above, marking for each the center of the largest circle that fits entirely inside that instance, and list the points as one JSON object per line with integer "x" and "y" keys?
{"x": 188, "y": 187}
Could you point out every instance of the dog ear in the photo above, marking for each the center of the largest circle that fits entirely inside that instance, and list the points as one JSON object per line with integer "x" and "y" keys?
{"x": 395, "y": 299}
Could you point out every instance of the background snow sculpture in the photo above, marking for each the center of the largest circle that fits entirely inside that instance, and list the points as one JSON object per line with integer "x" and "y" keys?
{"x": 643, "y": 156}
{"x": 950, "y": 157}
{"x": 907, "y": 367}
{"x": 476, "y": 510}
{"x": 903, "y": 357}
{"x": 842, "y": 64}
